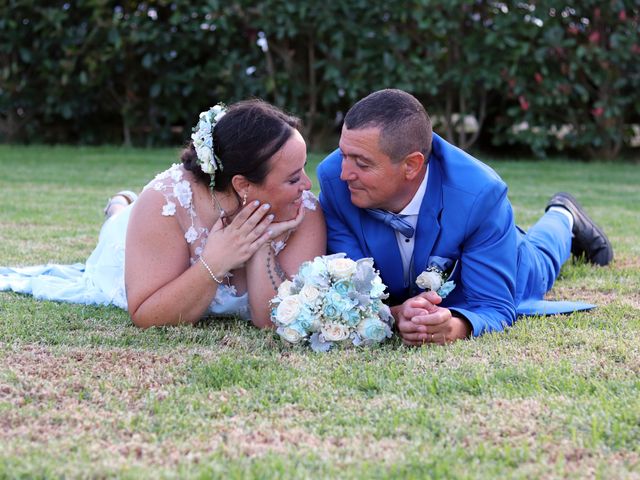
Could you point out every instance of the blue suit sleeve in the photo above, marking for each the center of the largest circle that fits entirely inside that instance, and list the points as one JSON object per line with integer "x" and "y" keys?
{"x": 488, "y": 264}
{"x": 338, "y": 211}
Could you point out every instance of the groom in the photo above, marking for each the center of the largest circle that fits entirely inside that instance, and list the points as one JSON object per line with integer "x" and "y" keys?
{"x": 399, "y": 193}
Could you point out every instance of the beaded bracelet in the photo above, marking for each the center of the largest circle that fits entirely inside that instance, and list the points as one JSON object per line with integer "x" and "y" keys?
{"x": 215, "y": 279}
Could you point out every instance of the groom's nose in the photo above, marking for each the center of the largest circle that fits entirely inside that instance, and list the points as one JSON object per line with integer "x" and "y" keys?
{"x": 346, "y": 173}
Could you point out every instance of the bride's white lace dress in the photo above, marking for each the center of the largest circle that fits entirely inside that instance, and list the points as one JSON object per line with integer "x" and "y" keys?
{"x": 101, "y": 279}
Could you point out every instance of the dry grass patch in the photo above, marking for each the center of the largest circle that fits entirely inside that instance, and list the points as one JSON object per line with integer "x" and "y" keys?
{"x": 539, "y": 428}
{"x": 626, "y": 263}
{"x": 71, "y": 392}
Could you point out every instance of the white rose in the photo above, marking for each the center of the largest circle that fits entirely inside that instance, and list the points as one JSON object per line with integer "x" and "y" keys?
{"x": 309, "y": 293}
{"x": 290, "y": 334}
{"x": 205, "y": 155}
{"x": 288, "y": 310}
{"x": 284, "y": 290}
{"x": 429, "y": 281}
{"x": 334, "y": 332}
{"x": 342, "y": 267}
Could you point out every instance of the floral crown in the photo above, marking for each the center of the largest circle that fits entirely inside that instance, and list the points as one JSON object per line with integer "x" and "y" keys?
{"x": 203, "y": 141}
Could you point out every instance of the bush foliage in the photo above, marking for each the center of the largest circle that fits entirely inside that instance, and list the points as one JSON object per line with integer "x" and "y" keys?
{"x": 95, "y": 71}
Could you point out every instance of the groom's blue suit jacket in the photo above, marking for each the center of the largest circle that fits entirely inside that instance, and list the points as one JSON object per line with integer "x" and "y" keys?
{"x": 465, "y": 219}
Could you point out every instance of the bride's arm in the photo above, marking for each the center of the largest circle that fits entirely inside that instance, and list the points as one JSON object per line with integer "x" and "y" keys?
{"x": 306, "y": 242}
{"x": 162, "y": 287}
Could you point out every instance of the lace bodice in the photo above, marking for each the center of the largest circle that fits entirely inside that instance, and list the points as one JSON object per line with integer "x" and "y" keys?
{"x": 179, "y": 202}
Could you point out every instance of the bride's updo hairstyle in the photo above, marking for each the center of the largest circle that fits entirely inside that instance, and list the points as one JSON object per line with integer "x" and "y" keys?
{"x": 248, "y": 135}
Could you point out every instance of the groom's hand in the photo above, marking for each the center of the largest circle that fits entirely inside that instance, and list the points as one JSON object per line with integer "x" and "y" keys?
{"x": 420, "y": 320}
{"x": 413, "y": 333}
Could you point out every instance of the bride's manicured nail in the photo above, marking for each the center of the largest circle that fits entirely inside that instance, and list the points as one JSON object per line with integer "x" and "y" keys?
{"x": 256, "y": 202}
{"x": 270, "y": 232}
{"x": 266, "y": 206}
{"x": 270, "y": 217}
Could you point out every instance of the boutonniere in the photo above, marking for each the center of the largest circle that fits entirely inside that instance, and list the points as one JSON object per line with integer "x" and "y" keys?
{"x": 434, "y": 278}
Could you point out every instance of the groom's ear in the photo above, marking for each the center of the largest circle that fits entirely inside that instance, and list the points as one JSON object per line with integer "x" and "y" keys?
{"x": 240, "y": 184}
{"x": 413, "y": 164}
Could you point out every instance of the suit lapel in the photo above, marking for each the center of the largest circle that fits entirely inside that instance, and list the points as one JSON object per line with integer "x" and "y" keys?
{"x": 428, "y": 227}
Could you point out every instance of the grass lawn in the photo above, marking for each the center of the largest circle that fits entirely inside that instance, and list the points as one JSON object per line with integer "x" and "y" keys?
{"x": 85, "y": 394}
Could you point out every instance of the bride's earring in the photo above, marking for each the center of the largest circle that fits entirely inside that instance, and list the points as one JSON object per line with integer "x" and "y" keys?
{"x": 244, "y": 199}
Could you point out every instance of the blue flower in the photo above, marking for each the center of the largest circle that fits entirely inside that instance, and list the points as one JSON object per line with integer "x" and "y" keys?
{"x": 446, "y": 289}
{"x": 305, "y": 318}
{"x": 343, "y": 287}
{"x": 373, "y": 330}
{"x": 351, "y": 317}
{"x": 330, "y": 311}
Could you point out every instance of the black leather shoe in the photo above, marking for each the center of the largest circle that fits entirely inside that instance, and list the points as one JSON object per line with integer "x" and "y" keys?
{"x": 588, "y": 239}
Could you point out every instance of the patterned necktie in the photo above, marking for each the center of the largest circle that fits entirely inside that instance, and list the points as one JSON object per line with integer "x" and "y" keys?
{"x": 394, "y": 220}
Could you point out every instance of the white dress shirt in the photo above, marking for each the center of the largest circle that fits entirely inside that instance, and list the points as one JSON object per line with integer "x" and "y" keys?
{"x": 410, "y": 214}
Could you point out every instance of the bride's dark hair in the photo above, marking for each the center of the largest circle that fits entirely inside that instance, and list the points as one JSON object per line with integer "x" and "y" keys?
{"x": 244, "y": 140}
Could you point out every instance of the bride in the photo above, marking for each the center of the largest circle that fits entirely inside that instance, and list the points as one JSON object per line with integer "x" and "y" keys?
{"x": 215, "y": 234}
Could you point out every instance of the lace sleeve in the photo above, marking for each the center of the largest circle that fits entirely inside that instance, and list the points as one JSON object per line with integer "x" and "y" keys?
{"x": 309, "y": 200}
{"x": 177, "y": 193}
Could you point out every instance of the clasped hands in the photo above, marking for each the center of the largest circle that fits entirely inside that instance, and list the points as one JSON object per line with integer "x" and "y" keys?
{"x": 421, "y": 321}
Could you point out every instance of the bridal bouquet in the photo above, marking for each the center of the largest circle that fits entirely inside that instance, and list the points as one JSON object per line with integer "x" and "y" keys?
{"x": 332, "y": 300}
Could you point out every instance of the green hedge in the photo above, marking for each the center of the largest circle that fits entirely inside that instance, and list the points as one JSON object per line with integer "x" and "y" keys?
{"x": 95, "y": 71}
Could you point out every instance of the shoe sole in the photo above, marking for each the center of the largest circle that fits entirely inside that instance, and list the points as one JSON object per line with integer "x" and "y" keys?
{"x": 580, "y": 211}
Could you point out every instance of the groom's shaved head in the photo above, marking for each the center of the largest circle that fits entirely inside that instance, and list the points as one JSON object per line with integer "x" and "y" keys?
{"x": 405, "y": 126}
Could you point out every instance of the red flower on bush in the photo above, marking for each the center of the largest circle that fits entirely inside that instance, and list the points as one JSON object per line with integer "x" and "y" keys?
{"x": 622, "y": 15}
{"x": 594, "y": 37}
{"x": 524, "y": 105}
{"x": 597, "y": 112}
{"x": 538, "y": 77}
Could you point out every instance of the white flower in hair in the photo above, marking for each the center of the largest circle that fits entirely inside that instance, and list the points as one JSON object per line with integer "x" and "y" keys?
{"x": 203, "y": 140}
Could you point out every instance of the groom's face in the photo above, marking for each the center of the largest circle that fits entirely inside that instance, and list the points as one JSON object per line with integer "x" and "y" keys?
{"x": 374, "y": 180}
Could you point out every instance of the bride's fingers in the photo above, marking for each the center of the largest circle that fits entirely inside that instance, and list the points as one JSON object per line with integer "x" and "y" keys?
{"x": 254, "y": 219}
{"x": 260, "y": 241}
{"x": 260, "y": 229}
{"x": 281, "y": 227}
{"x": 247, "y": 212}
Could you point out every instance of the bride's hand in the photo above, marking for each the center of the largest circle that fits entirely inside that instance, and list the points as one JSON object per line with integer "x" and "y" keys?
{"x": 280, "y": 228}
{"x": 231, "y": 246}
